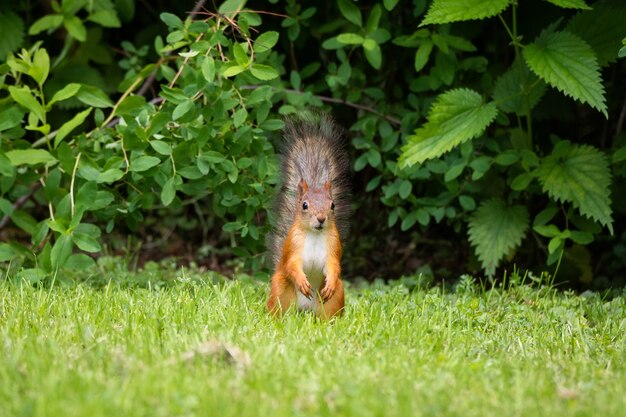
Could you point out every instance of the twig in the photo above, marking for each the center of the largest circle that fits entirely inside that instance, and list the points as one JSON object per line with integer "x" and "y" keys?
{"x": 20, "y": 202}
{"x": 326, "y": 99}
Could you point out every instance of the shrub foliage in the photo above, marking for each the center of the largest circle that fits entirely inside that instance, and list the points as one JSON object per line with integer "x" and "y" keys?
{"x": 473, "y": 120}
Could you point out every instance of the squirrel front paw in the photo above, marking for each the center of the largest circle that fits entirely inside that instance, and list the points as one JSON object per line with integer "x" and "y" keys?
{"x": 328, "y": 291}
{"x": 305, "y": 287}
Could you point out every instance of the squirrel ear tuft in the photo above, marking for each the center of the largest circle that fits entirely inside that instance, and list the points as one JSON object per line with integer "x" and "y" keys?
{"x": 302, "y": 187}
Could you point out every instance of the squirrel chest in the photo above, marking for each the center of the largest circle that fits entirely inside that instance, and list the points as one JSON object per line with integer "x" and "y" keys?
{"x": 314, "y": 253}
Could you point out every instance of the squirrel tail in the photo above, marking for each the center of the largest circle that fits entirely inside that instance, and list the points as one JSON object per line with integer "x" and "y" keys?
{"x": 312, "y": 149}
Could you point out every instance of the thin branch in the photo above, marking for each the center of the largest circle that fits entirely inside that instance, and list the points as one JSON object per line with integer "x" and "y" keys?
{"x": 389, "y": 118}
{"x": 20, "y": 202}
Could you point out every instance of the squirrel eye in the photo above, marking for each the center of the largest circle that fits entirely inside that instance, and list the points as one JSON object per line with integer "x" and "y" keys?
{"x": 305, "y": 205}
{"x": 332, "y": 206}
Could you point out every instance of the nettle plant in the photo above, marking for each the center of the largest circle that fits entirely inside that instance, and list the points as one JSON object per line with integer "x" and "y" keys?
{"x": 494, "y": 134}
{"x": 201, "y": 145}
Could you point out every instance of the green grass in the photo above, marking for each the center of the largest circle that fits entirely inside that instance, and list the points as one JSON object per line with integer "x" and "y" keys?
{"x": 193, "y": 347}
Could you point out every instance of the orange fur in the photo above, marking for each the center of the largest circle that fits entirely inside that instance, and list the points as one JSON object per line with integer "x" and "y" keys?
{"x": 289, "y": 277}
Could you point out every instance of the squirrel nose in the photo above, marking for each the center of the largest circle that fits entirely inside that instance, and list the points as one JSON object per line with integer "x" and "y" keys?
{"x": 321, "y": 219}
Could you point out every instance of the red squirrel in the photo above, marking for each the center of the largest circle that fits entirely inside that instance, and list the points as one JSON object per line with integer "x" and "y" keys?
{"x": 313, "y": 210}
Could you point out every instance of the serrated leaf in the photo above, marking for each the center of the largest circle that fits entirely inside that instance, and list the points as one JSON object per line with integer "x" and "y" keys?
{"x": 567, "y": 63}
{"x": 580, "y": 175}
{"x": 494, "y": 230}
{"x": 350, "y": 11}
{"x": 265, "y": 41}
{"x": 604, "y": 38}
{"x": 263, "y": 72}
{"x": 515, "y": 91}
{"x": 70, "y": 125}
{"x": 456, "y": 117}
{"x": 446, "y": 11}
{"x": 570, "y": 4}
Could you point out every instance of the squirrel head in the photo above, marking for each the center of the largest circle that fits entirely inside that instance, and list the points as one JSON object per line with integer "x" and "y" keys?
{"x": 315, "y": 206}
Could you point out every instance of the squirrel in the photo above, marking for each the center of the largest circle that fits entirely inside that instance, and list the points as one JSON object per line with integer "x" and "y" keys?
{"x": 313, "y": 212}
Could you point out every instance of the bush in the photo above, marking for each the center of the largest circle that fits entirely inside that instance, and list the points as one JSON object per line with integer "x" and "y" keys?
{"x": 484, "y": 121}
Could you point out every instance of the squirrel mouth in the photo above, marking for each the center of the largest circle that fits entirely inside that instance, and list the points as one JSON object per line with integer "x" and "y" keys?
{"x": 318, "y": 227}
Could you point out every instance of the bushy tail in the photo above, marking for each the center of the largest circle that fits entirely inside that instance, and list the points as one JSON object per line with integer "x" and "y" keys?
{"x": 312, "y": 149}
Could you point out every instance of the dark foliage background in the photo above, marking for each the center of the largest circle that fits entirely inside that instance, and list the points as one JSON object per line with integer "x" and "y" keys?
{"x": 172, "y": 153}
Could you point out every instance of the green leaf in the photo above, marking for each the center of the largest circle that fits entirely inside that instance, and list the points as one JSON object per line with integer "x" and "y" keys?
{"x": 61, "y": 251}
{"x": 515, "y": 91}
{"x": 10, "y": 117}
{"x": 79, "y": 261}
{"x": 350, "y": 11}
{"x": 405, "y": 189}
{"x": 570, "y": 4}
{"x": 567, "y": 63}
{"x": 182, "y": 109}
{"x": 231, "y": 7}
{"x": 239, "y": 117}
{"x": 374, "y": 56}
{"x": 208, "y": 69}
{"x": 422, "y": 54}
{"x": 604, "y": 38}
{"x": 30, "y": 157}
{"x": 171, "y": 20}
{"x": 494, "y": 230}
{"x": 232, "y": 70}
{"x": 161, "y": 147}
{"x": 75, "y": 27}
{"x": 580, "y": 175}
{"x": 48, "y": 22}
{"x": 350, "y": 39}
{"x": 106, "y": 18}
{"x": 6, "y": 169}
{"x": 241, "y": 56}
{"x": 263, "y": 72}
{"x": 70, "y": 125}
{"x": 456, "y": 117}
{"x": 265, "y": 41}
{"x": 446, "y": 11}
{"x": 11, "y": 33}
{"x": 144, "y": 163}
{"x": 86, "y": 242}
{"x": 168, "y": 192}
{"x": 390, "y": 4}
{"x": 93, "y": 96}
{"x": 66, "y": 92}
{"x": 22, "y": 96}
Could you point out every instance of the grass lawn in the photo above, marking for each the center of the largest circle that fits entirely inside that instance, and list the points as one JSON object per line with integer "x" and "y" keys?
{"x": 196, "y": 347}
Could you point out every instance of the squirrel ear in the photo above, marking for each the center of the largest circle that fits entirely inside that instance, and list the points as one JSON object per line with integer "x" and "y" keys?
{"x": 327, "y": 186}
{"x": 302, "y": 187}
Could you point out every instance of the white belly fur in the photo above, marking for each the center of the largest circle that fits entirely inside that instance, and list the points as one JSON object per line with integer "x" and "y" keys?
{"x": 314, "y": 267}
